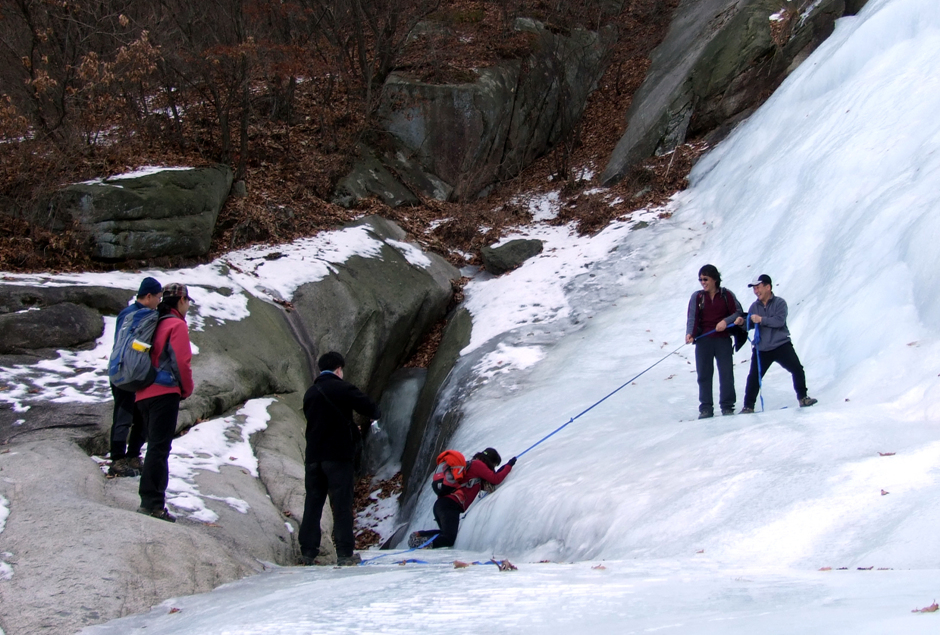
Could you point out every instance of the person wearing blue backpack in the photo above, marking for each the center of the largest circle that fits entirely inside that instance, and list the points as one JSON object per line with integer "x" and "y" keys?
{"x": 127, "y": 433}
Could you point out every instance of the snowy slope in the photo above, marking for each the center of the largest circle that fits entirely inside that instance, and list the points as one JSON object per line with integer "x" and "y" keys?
{"x": 719, "y": 526}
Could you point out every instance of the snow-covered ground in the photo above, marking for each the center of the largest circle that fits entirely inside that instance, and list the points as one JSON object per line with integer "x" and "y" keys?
{"x": 819, "y": 520}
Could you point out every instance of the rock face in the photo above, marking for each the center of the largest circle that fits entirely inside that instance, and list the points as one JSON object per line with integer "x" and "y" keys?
{"x": 499, "y": 260}
{"x": 450, "y": 141}
{"x": 80, "y": 554}
{"x": 59, "y": 326}
{"x": 432, "y": 426}
{"x": 720, "y": 60}
{"x": 169, "y": 213}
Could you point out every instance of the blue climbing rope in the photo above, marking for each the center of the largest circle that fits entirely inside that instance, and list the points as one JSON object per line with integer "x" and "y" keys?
{"x": 599, "y": 402}
{"x": 399, "y": 553}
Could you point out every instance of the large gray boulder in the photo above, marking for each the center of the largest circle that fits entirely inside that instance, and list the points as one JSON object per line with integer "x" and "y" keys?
{"x": 59, "y": 326}
{"x": 169, "y": 213}
{"x": 81, "y": 554}
{"x": 375, "y": 310}
{"x": 719, "y": 61}
{"x": 107, "y": 300}
{"x": 450, "y": 141}
{"x": 499, "y": 260}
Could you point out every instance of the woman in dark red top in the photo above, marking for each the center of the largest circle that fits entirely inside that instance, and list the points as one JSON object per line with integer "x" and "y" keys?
{"x": 481, "y": 469}
{"x": 712, "y": 310}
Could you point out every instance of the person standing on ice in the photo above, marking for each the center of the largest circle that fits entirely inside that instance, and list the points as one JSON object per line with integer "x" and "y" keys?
{"x": 127, "y": 425}
{"x": 480, "y": 470}
{"x": 159, "y": 403}
{"x": 332, "y": 443}
{"x": 768, "y": 315}
{"x": 713, "y": 308}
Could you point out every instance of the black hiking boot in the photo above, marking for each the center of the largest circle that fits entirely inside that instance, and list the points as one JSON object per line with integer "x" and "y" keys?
{"x": 348, "y": 561}
{"x": 135, "y": 462}
{"x": 746, "y": 410}
{"x": 805, "y": 402}
{"x": 308, "y": 561}
{"x": 161, "y": 513}
{"x": 121, "y": 468}
{"x": 707, "y": 414}
{"x": 727, "y": 411}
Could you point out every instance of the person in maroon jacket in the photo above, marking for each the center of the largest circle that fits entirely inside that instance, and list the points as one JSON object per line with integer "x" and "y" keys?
{"x": 481, "y": 469}
{"x": 159, "y": 403}
{"x": 712, "y": 310}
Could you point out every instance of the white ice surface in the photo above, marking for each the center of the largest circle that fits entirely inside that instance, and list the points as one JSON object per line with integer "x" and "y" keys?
{"x": 716, "y": 526}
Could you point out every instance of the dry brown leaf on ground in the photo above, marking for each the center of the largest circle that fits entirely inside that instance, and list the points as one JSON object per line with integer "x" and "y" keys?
{"x": 928, "y": 609}
{"x": 458, "y": 564}
{"x": 825, "y": 568}
{"x": 886, "y": 453}
{"x": 884, "y": 493}
{"x": 599, "y": 567}
{"x": 505, "y": 565}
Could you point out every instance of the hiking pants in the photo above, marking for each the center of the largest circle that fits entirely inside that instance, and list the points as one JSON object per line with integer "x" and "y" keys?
{"x": 333, "y": 479}
{"x": 708, "y": 351}
{"x": 447, "y": 515}
{"x": 127, "y": 425}
{"x": 784, "y": 355}
{"x": 159, "y": 415}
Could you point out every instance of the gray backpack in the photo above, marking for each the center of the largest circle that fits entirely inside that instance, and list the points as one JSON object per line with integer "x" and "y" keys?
{"x": 129, "y": 367}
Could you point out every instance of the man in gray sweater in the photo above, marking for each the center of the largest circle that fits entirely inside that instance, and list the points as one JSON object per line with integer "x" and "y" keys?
{"x": 768, "y": 315}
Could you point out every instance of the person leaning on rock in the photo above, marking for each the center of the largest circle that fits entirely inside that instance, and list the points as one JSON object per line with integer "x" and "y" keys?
{"x": 127, "y": 426}
{"x": 159, "y": 402}
{"x": 768, "y": 315}
{"x": 332, "y": 442}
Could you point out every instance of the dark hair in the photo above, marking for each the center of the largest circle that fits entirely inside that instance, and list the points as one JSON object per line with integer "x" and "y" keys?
{"x": 489, "y": 456}
{"x": 712, "y": 272}
{"x": 330, "y": 361}
{"x": 167, "y": 303}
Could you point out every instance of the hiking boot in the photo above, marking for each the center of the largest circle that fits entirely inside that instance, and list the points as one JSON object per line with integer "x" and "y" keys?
{"x": 708, "y": 414}
{"x": 807, "y": 401}
{"x": 120, "y": 468}
{"x": 417, "y": 539}
{"x": 161, "y": 513}
{"x": 746, "y": 410}
{"x": 308, "y": 561}
{"x": 727, "y": 411}
{"x": 135, "y": 462}
{"x": 348, "y": 561}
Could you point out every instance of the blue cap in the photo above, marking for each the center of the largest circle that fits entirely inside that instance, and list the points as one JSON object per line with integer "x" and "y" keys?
{"x": 149, "y": 285}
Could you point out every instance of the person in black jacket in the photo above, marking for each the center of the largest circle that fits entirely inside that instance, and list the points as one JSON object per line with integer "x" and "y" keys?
{"x": 332, "y": 443}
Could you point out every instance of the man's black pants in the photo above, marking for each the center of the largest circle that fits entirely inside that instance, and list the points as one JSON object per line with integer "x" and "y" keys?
{"x": 127, "y": 425}
{"x": 785, "y": 355}
{"x": 336, "y": 480}
{"x": 721, "y": 350}
{"x": 159, "y": 415}
{"x": 447, "y": 515}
